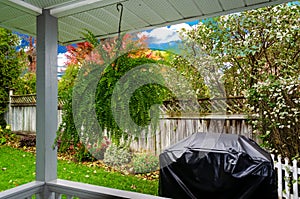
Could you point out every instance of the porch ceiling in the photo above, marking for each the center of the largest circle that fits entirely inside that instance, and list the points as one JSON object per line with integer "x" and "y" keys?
{"x": 102, "y": 17}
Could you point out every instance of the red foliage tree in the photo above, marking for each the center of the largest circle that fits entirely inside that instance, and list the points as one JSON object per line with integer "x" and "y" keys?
{"x": 110, "y": 47}
{"x": 31, "y": 55}
{"x": 77, "y": 54}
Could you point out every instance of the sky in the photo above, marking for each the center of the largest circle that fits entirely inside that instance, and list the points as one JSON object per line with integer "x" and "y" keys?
{"x": 164, "y": 38}
{"x": 158, "y": 38}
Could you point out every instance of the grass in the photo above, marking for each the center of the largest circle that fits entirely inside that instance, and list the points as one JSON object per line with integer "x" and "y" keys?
{"x": 18, "y": 167}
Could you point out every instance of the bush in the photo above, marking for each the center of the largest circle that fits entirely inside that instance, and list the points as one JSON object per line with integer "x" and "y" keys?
{"x": 6, "y": 135}
{"x": 275, "y": 108}
{"x": 28, "y": 141}
{"x": 82, "y": 154}
{"x": 144, "y": 163}
{"x": 117, "y": 156}
{"x": 98, "y": 149}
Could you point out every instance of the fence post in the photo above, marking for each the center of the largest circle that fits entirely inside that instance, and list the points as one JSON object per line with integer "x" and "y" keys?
{"x": 287, "y": 178}
{"x": 295, "y": 179}
{"x": 279, "y": 172}
{"x": 11, "y": 92}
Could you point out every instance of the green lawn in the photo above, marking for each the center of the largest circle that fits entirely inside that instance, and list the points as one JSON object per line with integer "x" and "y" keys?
{"x": 18, "y": 167}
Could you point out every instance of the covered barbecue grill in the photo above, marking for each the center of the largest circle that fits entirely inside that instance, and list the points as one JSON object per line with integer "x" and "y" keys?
{"x": 219, "y": 166}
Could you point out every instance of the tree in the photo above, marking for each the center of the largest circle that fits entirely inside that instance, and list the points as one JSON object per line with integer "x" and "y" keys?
{"x": 197, "y": 54}
{"x": 77, "y": 54}
{"x": 258, "y": 52}
{"x": 25, "y": 84}
{"x": 83, "y": 51}
{"x": 31, "y": 55}
{"x": 11, "y": 63}
{"x": 252, "y": 45}
{"x": 191, "y": 75}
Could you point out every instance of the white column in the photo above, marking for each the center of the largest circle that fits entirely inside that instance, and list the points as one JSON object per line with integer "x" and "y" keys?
{"x": 46, "y": 105}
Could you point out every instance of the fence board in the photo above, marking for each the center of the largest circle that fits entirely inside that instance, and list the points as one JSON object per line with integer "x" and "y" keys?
{"x": 295, "y": 179}
{"x": 287, "y": 177}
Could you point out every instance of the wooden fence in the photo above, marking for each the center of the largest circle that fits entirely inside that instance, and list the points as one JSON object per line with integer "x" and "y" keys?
{"x": 171, "y": 130}
{"x": 287, "y": 177}
{"x": 178, "y": 120}
{"x": 21, "y": 114}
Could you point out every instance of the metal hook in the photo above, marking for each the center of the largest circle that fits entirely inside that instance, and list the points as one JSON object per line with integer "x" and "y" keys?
{"x": 121, "y": 14}
{"x": 119, "y": 30}
{"x": 119, "y": 4}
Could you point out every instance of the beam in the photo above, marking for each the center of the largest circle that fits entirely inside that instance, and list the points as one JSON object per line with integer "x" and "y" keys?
{"x": 46, "y": 103}
{"x": 81, "y": 6}
{"x": 72, "y": 6}
{"x": 26, "y": 6}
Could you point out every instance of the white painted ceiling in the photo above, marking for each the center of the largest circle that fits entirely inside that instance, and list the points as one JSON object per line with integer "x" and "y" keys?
{"x": 102, "y": 17}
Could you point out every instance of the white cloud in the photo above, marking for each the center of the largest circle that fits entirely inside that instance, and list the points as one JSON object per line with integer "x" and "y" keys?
{"x": 165, "y": 34}
{"x": 161, "y": 35}
{"x": 61, "y": 59}
{"x": 180, "y": 26}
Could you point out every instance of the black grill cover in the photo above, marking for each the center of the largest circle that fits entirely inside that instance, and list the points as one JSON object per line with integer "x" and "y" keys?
{"x": 217, "y": 166}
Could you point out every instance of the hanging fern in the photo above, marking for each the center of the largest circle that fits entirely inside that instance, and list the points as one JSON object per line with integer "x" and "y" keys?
{"x": 88, "y": 104}
{"x": 140, "y": 101}
{"x": 81, "y": 102}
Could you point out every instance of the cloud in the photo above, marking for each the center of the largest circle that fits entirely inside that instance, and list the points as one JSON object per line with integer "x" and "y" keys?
{"x": 165, "y": 34}
{"x": 61, "y": 59}
{"x": 180, "y": 26}
{"x": 160, "y": 35}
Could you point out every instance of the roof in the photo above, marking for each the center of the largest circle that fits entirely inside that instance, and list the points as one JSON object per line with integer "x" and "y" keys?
{"x": 102, "y": 17}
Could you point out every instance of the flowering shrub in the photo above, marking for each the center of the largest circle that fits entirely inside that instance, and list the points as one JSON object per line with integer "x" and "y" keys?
{"x": 116, "y": 156}
{"x": 143, "y": 163}
{"x": 6, "y": 135}
{"x": 275, "y": 108}
{"x": 98, "y": 149}
{"x": 81, "y": 153}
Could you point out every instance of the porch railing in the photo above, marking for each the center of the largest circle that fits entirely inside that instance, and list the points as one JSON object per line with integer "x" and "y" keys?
{"x": 25, "y": 191}
{"x": 67, "y": 189}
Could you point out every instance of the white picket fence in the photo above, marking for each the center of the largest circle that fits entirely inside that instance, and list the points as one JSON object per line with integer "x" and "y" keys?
{"x": 288, "y": 177}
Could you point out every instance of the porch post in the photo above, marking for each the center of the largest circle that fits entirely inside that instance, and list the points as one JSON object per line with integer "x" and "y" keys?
{"x": 46, "y": 103}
